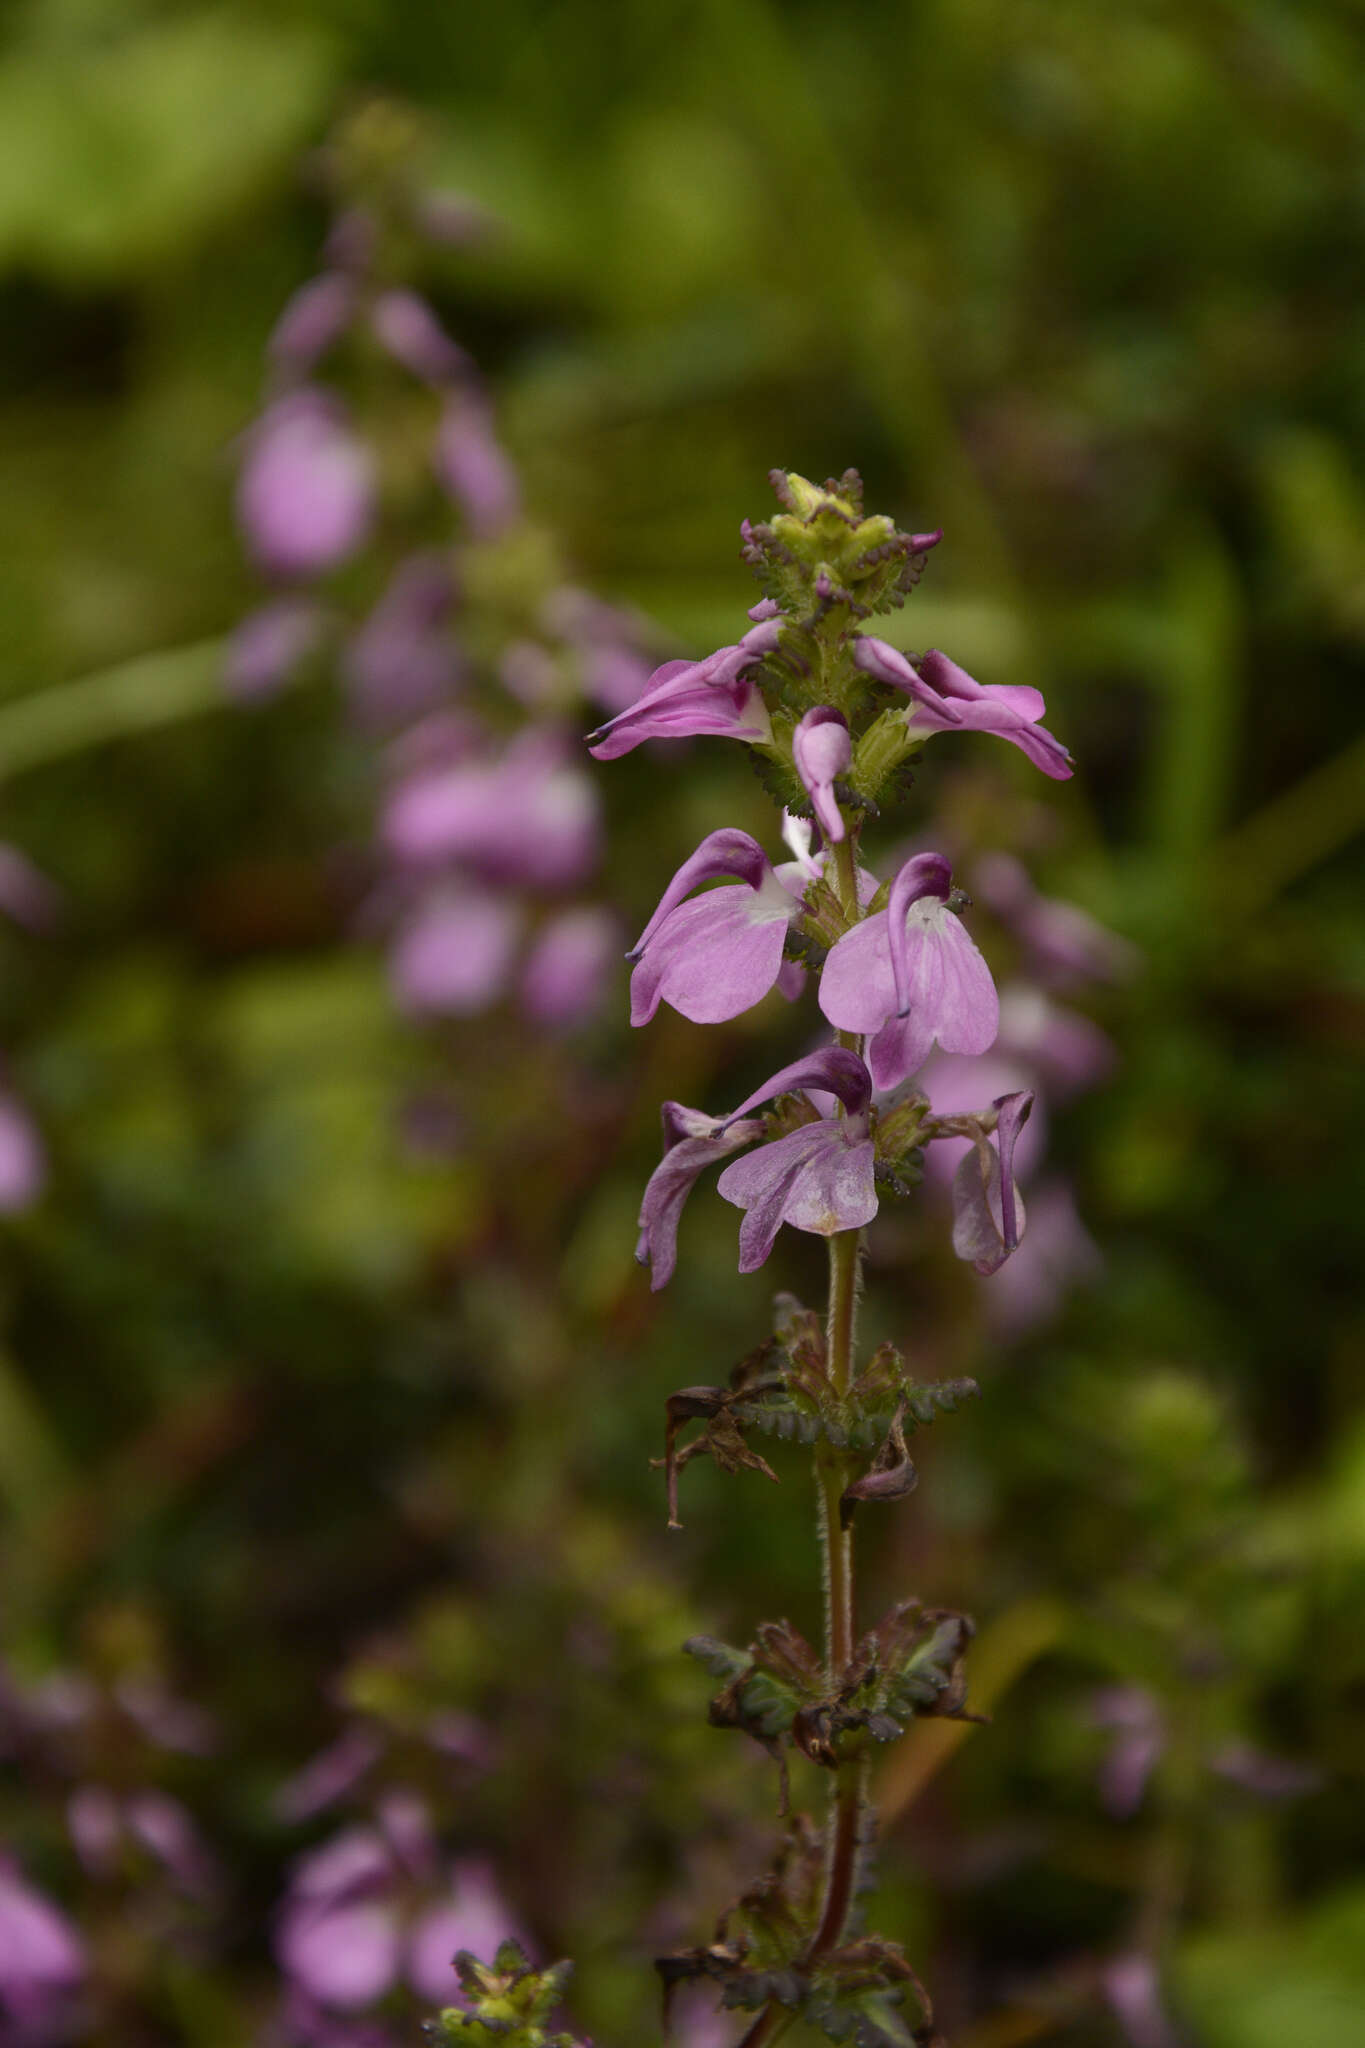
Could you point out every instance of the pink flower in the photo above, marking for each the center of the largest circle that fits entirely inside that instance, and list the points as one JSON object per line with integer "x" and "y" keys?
{"x": 375, "y": 1907}
{"x": 910, "y": 976}
{"x": 946, "y": 698}
{"x": 306, "y": 491}
{"x": 988, "y": 1214}
{"x": 687, "y": 699}
{"x": 716, "y": 955}
{"x": 822, "y": 751}
{"x": 817, "y": 1178}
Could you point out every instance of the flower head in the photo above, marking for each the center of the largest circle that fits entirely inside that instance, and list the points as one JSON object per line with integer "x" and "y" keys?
{"x": 946, "y": 698}
{"x": 688, "y": 699}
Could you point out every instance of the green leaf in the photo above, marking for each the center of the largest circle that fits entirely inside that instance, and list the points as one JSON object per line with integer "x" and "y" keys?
{"x": 122, "y": 153}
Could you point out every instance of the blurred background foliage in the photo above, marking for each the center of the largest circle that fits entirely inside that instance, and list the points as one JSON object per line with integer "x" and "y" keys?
{"x": 302, "y": 1418}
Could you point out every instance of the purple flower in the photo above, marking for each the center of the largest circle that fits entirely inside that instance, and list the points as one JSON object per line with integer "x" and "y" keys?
{"x": 405, "y": 325}
{"x": 988, "y": 1214}
{"x": 471, "y": 466}
{"x": 716, "y": 955}
{"x": 1064, "y": 943}
{"x": 910, "y": 975}
{"x": 270, "y": 644}
{"x": 692, "y": 1142}
{"x": 1133, "y": 1988}
{"x": 947, "y": 698}
{"x": 1140, "y": 1728}
{"x": 306, "y": 490}
{"x": 26, "y": 894}
{"x": 822, "y": 751}
{"x": 530, "y": 816}
{"x": 569, "y": 967}
{"x": 402, "y": 663}
{"x": 375, "y": 1907}
{"x": 1058, "y": 1254}
{"x": 317, "y": 316}
{"x": 818, "y": 1177}
{"x": 454, "y": 957}
{"x": 23, "y": 1160}
{"x": 687, "y": 699}
{"x": 42, "y": 1962}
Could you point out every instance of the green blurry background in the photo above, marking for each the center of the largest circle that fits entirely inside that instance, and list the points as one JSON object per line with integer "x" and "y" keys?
{"x": 278, "y": 1398}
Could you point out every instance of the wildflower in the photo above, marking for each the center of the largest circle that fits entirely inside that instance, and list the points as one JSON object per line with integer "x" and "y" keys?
{"x": 454, "y": 956}
{"x": 568, "y": 967}
{"x": 375, "y": 1907}
{"x": 909, "y": 976}
{"x": 716, "y": 955}
{"x": 41, "y": 1961}
{"x": 988, "y": 1212}
{"x": 402, "y": 662}
{"x": 822, "y": 751}
{"x": 688, "y": 699}
{"x": 947, "y": 698}
{"x": 270, "y": 644}
{"x": 473, "y": 470}
{"x": 405, "y": 325}
{"x": 817, "y": 1178}
{"x": 306, "y": 490}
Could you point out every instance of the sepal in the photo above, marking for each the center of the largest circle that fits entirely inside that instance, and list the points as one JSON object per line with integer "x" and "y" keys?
{"x": 508, "y": 2004}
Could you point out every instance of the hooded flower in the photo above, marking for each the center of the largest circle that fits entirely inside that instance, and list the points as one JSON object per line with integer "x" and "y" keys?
{"x": 911, "y": 976}
{"x": 686, "y": 699}
{"x": 818, "y": 1177}
{"x": 988, "y": 1213}
{"x": 822, "y": 751}
{"x": 714, "y": 956}
{"x": 947, "y": 698}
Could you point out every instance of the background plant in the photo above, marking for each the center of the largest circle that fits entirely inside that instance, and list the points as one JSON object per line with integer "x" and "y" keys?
{"x": 1098, "y": 313}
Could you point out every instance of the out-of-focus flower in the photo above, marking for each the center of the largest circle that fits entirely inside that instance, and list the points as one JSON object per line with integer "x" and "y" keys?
{"x": 1133, "y": 1988}
{"x": 306, "y": 490}
{"x": 270, "y": 645}
{"x": 42, "y": 1963}
{"x": 454, "y": 957}
{"x": 1064, "y": 944}
{"x": 946, "y": 699}
{"x": 1139, "y": 1739}
{"x": 911, "y": 976}
{"x": 689, "y": 699}
{"x": 26, "y": 894}
{"x": 402, "y": 662}
{"x": 23, "y": 1159}
{"x": 377, "y": 1907}
{"x": 313, "y": 321}
{"x": 569, "y": 967}
{"x": 529, "y": 816}
{"x": 404, "y": 324}
{"x": 471, "y": 465}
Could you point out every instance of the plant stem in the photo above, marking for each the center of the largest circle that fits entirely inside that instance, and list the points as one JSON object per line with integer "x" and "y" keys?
{"x": 770, "y": 2025}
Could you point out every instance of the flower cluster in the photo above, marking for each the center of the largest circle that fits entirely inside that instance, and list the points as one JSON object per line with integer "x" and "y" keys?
{"x": 469, "y": 678}
{"x": 833, "y": 716}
